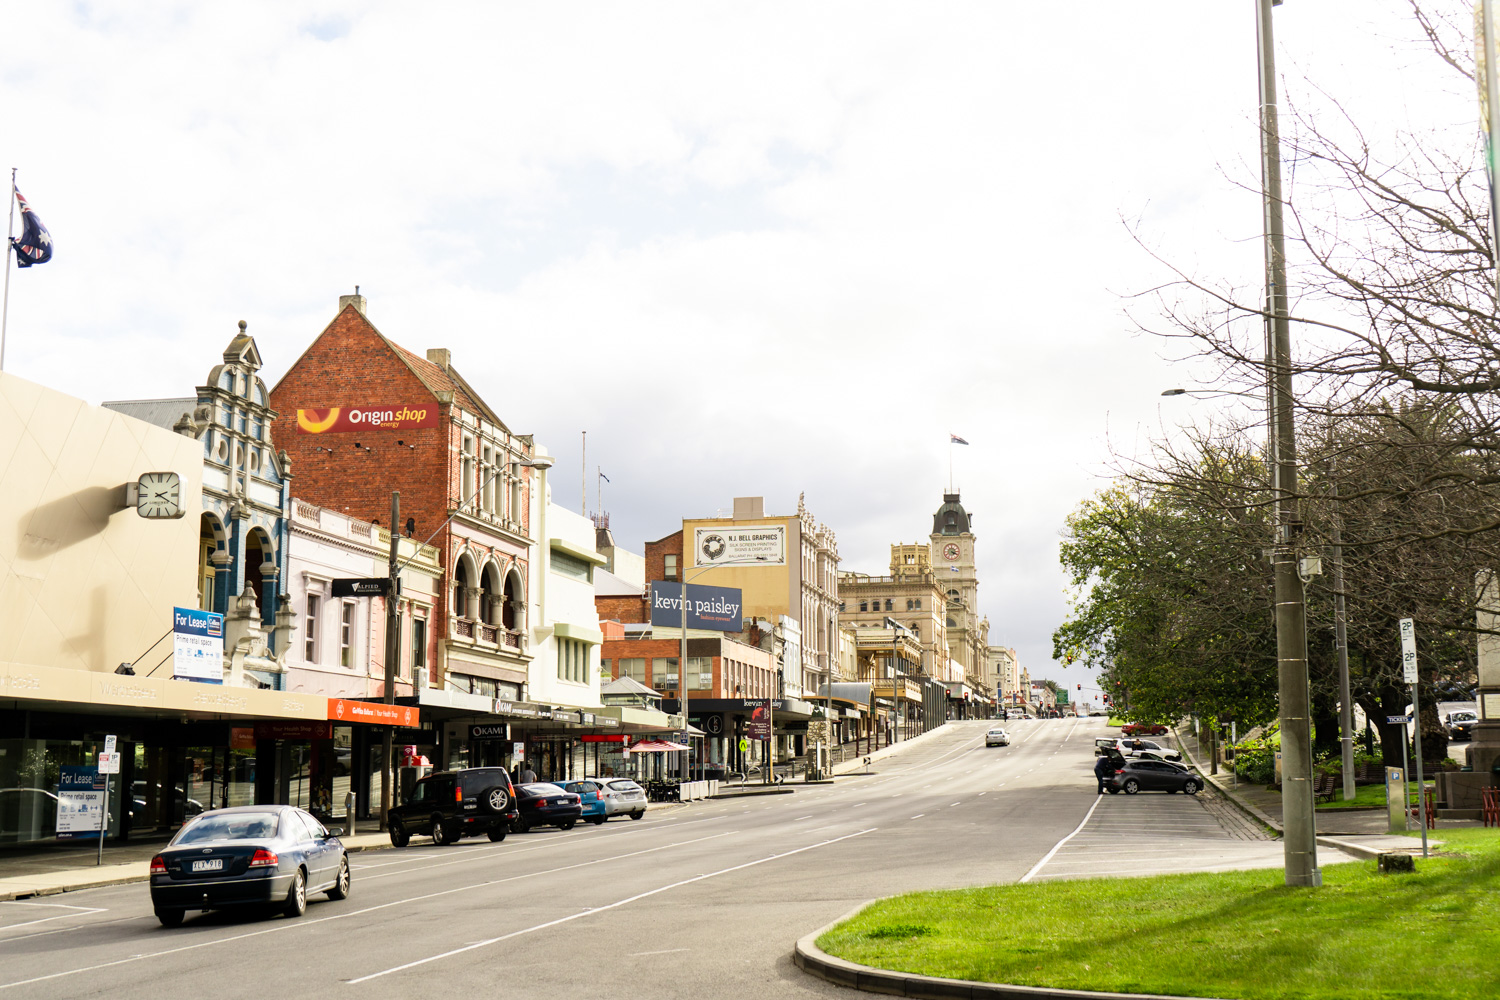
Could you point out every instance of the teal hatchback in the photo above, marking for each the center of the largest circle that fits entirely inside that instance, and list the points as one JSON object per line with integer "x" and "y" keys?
{"x": 590, "y": 796}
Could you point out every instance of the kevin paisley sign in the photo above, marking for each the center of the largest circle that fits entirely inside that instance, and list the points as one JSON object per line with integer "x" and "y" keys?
{"x": 343, "y": 419}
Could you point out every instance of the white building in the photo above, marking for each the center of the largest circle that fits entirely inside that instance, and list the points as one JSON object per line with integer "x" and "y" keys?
{"x": 565, "y": 635}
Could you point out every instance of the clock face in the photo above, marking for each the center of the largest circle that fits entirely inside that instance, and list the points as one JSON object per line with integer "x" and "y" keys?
{"x": 160, "y": 495}
{"x": 950, "y": 551}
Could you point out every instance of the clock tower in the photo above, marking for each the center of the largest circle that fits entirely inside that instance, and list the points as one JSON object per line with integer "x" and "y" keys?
{"x": 952, "y": 549}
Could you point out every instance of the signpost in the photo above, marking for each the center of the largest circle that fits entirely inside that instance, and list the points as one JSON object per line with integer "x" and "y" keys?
{"x": 1409, "y": 674}
{"x": 109, "y": 763}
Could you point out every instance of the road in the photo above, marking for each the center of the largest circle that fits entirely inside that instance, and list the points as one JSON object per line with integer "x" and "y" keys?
{"x": 700, "y": 900}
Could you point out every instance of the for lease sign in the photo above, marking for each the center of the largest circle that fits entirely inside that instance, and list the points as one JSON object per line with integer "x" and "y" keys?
{"x": 375, "y": 416}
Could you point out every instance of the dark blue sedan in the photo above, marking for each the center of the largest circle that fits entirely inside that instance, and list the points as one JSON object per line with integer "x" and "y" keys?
{"x": 247, "y": 856}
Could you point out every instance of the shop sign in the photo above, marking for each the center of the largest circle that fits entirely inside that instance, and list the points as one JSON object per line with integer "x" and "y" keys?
{"x": 197, "y": 646}
{"x": 760, "y": 545}
{"x": 497, "y": 731}
{"x": 291, "y": 729}
{"x": 420, "y": 737}
{"x": 80, "y": 802}
{"x": 604, "y": 738}
{"x": 377, "y": 416}
{"x": 377, "y": 586}
{"x": 242, "y": 738}
{"x": 521, "y": 710}
{"x": 374, "y": 712}
{"x": 707, "y": 607}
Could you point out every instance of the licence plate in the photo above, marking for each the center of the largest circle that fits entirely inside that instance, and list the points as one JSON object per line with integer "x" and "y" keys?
{"x": 211, "y": 865}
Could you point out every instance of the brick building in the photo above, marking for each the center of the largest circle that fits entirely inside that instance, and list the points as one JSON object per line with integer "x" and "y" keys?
{"x": 364, "y": 416}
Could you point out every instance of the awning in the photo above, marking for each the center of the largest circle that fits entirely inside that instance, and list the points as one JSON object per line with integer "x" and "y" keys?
{"x": 656, "y": 746}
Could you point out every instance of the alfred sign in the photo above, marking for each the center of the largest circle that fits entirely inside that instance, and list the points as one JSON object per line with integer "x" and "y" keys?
{"x": 707, "y": 607}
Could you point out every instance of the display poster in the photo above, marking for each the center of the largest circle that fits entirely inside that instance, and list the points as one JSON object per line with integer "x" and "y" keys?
{"x": 80, "y": 802}
{"x": 757, "y": 545}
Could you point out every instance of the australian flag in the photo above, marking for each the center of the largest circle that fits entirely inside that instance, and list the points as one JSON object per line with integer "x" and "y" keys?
{"x": 34, "y": 245}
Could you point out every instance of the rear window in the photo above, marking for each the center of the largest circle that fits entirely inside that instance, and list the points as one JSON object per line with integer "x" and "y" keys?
{"x": 542, "y": 788}
{"x": 228, "y": 826}
{"x": 624, "y": 786}
{"x": 476, "y": 780}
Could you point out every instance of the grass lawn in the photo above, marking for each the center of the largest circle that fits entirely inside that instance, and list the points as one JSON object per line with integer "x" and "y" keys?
{"x": 1114, "y": 720}
{"x": 1237, "y": 934}
{"x": 1366, "y": 796}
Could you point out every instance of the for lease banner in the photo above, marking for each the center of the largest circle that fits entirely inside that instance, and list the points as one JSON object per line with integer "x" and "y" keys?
{"x": 375, "y": 416}
{"x": 197, "y": 646}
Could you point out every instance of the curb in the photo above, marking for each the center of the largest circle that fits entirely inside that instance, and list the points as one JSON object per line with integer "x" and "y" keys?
{"x": 775, "y": 790}
{"x": 812, "y": 960}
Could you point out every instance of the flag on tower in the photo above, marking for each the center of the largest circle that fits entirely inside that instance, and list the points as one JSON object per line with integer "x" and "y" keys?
{"x": 603, "y": 477}
{"x": 955, "y": 439}
{"x": 34, "y": 245}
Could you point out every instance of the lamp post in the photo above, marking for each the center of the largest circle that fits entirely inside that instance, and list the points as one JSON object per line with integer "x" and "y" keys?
{"x": 896, "y": 628}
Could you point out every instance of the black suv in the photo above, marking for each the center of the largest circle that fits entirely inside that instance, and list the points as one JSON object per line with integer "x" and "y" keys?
{"x": 448, "y": 805}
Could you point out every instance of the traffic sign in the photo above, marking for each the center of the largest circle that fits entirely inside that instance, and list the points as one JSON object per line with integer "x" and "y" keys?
{"x": 744, "y": 745}
{"x": 109, "y": 763}
{"x": 109, "y": 744}
{"x": 1408, "y": 651}
{"x": 1398, "y": 720}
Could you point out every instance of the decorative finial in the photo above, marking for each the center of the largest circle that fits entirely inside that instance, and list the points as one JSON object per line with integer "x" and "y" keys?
{"x": 243, "y": 325}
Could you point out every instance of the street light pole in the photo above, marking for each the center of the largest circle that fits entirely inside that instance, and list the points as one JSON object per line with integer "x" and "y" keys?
{"x": 1300, "y": 850}
{"x": 392, "y": 650}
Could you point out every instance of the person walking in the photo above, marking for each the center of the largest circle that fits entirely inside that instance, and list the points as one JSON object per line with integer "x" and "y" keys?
{"x": 527, "y": 774}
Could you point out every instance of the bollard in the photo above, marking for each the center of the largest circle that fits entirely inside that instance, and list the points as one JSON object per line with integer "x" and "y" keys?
{"x": 349, "y": 814}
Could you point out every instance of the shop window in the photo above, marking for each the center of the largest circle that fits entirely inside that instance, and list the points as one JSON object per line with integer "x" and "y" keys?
{"x": 418, "y": 644}
{"x": 310, "y": 629}
{"x": 700, "y": 673}
{"x": 346, "y": 635}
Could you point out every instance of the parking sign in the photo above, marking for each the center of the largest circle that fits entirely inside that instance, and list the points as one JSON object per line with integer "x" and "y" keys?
{"x": 1408, "y": 651}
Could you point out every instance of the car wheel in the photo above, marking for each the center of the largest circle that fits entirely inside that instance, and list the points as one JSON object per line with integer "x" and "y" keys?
{"x": 170, "y": 918}
{"x": 399, "y": 836}
{"x": 439, "y": 835}
{"x": 561, "y": 826}
{"x": 497, "y": 834}
{"x": 340, "y": 888}
{"x": 1191, "y": 788}
{"x": 1132, "y": 786}
{"x": 637, "y": 815}
{"x": 495, "y": 800}
{"x": 522, "y": 826}
{"x": 1114, "y": 791}
{"x": 598, "y": 820}
{"x": 296, "y": 897}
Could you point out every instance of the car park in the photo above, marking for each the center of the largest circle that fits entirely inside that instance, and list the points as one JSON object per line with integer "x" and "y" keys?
{"x": 997, "y": 737}
{"x": 1140, "y": 775}
{"x": 247, "y": 856}
{"x": 1143, "y": 729}
{"x": 590, "y": 797}
{"x": 1133, "y": 746}
{"x": 544, "y": 804}
{"x": 622, "y": 797}
{"x": 448, "y": 805}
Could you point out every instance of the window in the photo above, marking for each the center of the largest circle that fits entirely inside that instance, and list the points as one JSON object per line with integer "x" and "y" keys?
{"x": 918, "y": 603}
{"x": 571, "y": 566}
{"x": 310, "y": 629}
{"x": 418, "y": 644}
{"x": 670, "y": 569}
{"x": 634, "y": 668}
{"x": 864, "y": 606}
{"x": 604, "y": 669}
{"x": 346, "y": 635}
{"x": 700, "y": 673}
{"x": 466, "y": 470}
{"x": 888, "y": 605}
{"x": 515, "y": 500}
{"x": 664, "y": 673}
{"x": 487, "y": 474}
{"x": 572, "y": 660}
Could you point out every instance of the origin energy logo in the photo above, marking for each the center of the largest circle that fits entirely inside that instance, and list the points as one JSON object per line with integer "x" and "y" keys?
{"x": 342, "y": 419}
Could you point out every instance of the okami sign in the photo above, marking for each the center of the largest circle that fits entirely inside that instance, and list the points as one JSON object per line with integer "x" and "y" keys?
{"x": 343, "y": 419}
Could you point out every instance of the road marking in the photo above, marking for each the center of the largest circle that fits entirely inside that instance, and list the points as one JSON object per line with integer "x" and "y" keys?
{"x": 1056, "y": 847}
{"x": 856, "y": 805}
{"x": 797, "y": 820}
{"x": 351, "y": 913}
{"x": 919, "y": 815}
{"x": 78, "y": 911}
{"x": 981, "y": 793}
{"x": 959, "y": 803}
{"x": 601, "y": 909}
{"x": 638, "y": 954}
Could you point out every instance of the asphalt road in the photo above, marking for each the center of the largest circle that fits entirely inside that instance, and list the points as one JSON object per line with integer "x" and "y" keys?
{"x": 701, "y": 900}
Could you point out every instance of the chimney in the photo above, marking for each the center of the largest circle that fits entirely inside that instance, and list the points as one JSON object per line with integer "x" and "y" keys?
{"x": 356, "y": 300}
{"x": 440, "y": 356}
{"x": 749, "y": 507}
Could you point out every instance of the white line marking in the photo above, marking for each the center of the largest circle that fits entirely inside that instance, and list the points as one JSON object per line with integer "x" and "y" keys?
{"x": 80, "y": 911}
{"x": 1027, "y": 877}
{"x": 638, "y": 954}
{"x": 600, "y": 909}
{"x": 797, "y": 820}
{"x": 959, "y": 803}
{"x": 919, "y": 815}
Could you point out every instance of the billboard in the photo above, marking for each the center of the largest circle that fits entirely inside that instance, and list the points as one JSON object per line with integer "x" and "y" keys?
{"x": 377, "y": 416}
{"x": 80, "y": 802}
{"x": 761, "y": 544}
{"x": 197, "y": 646}
{"x": 707, "y": 607}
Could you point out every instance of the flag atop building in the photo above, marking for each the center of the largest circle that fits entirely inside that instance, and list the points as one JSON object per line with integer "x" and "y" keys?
{"x": 34, "y": 245}
{"x": 955, "y": 439}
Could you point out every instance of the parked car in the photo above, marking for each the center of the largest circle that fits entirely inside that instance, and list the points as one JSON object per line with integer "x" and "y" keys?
{"x": 545, "y": 804}
{"x": 622, "y": 797}
{"x": 997, "y": 737}
{"x": 1137, "y": 775}
{"x": 1106, "y": 744}
{"x": 1461, "y": 725}
{"x": 590, "y": 797}
{"x": 448, "y": 805}
{"x": 1143, "y": 729}
{"x": 1131, "y": 747}
{"x": 247, "y": 856}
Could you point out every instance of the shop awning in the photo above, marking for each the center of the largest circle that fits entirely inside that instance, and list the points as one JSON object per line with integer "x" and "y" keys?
{"x": 656, "y": 746}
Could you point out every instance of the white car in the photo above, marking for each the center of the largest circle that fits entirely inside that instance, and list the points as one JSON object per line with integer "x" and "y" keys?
{"x": 621, "y": 797}
{"x": 1131, "y": 746}
{"x": 997, "y": 737}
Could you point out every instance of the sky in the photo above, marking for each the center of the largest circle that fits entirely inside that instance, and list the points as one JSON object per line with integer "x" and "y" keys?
{"x": 751, "y": 249}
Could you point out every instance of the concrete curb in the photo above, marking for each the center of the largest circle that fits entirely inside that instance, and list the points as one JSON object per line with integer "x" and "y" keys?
{"x": 812, "y": 960}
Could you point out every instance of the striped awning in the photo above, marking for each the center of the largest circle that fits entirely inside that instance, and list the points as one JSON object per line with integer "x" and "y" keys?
{"x": 656, "y": 746}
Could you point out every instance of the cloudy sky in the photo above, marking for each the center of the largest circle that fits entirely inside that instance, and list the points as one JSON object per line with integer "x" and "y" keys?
{"x": 751, "y": 249}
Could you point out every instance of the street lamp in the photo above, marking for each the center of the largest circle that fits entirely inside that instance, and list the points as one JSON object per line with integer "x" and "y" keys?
{"x": 896, "y": 628}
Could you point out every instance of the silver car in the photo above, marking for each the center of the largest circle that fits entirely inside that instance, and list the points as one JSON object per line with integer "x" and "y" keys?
{"x": 621, "y": 797}
{"x": 997, "y": 737}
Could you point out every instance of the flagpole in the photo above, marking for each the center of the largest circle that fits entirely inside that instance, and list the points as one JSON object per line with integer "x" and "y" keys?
{"x": 10, "y": 233}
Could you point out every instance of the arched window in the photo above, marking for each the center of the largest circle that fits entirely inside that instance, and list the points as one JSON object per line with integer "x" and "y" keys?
{"x": 888, "y": 605}
{"x": 489, "y": 596}
{"x": 463, "y": 581}
{"x": 919, "y": 604}
{"x": 952, "y": 623}
{"x": 863, "y": 606}
{"x": 908, "y": 604}
{"x": 513, "y": 616}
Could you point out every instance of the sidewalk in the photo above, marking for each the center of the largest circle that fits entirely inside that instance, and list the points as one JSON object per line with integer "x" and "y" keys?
{"x": 1360, "y": 832}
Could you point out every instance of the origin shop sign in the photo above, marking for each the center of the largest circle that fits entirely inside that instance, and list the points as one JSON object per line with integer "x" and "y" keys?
{"x": 342, "y": 419}
{"x": 707, "y": 607}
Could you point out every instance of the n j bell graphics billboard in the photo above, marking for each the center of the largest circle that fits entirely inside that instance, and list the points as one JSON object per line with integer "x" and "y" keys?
{"x": 707, "y": 607}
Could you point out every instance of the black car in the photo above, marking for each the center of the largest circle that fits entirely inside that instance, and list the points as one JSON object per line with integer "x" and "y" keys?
{"x": 247, "y": 856}
{"x": 1138, "y": 774}
{"x": 448, "y": 805}
{"x": 1461, "y": 726}
{"x": 544, "y": 804}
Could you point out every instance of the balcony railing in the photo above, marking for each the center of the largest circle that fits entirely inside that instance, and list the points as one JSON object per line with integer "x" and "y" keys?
{"x": 486, "y": 634}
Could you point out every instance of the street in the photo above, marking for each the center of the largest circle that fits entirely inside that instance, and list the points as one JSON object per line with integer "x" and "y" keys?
{"x": 688, "y": 901}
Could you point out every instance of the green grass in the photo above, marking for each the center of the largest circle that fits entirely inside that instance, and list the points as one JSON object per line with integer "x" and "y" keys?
{"x": 1115, "y": 720}
{"x": 1362, "y": 936}
{"x": 1367, "y": 796}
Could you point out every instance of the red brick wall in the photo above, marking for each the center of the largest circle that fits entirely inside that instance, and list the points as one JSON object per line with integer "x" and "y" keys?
{"x": 622, "y": 609}
{"x": 656, "y": 553}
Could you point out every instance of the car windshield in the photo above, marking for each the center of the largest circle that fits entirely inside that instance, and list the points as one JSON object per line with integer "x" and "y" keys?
{"x": 228, "y": 826}
{"x": 1463, "y": 717}
{"x": 542, "y": 788}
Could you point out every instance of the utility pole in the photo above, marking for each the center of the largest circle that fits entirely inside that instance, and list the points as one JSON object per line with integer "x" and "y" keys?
{"x": 392, "y": 652}
{"x": 1300, "y": 848}
{"x": 1341, "y": 646}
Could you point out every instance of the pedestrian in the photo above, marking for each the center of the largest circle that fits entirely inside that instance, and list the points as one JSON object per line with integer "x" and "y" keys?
{"x": 1104, "y": 767}
{"x": 527, "y": 774}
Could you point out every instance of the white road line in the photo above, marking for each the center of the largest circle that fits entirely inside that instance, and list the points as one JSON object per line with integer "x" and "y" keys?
{"x": 1058, "y": 846}
{"x": 638, "y": 954}
{"x": 919, "y": 815}
{"x": 79, "y": 911}
{"x": 950, "y": 807}
{"x": 351, "y": 913}
{"x": 600, "y": 909}
{"x": 797, "y": 820}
